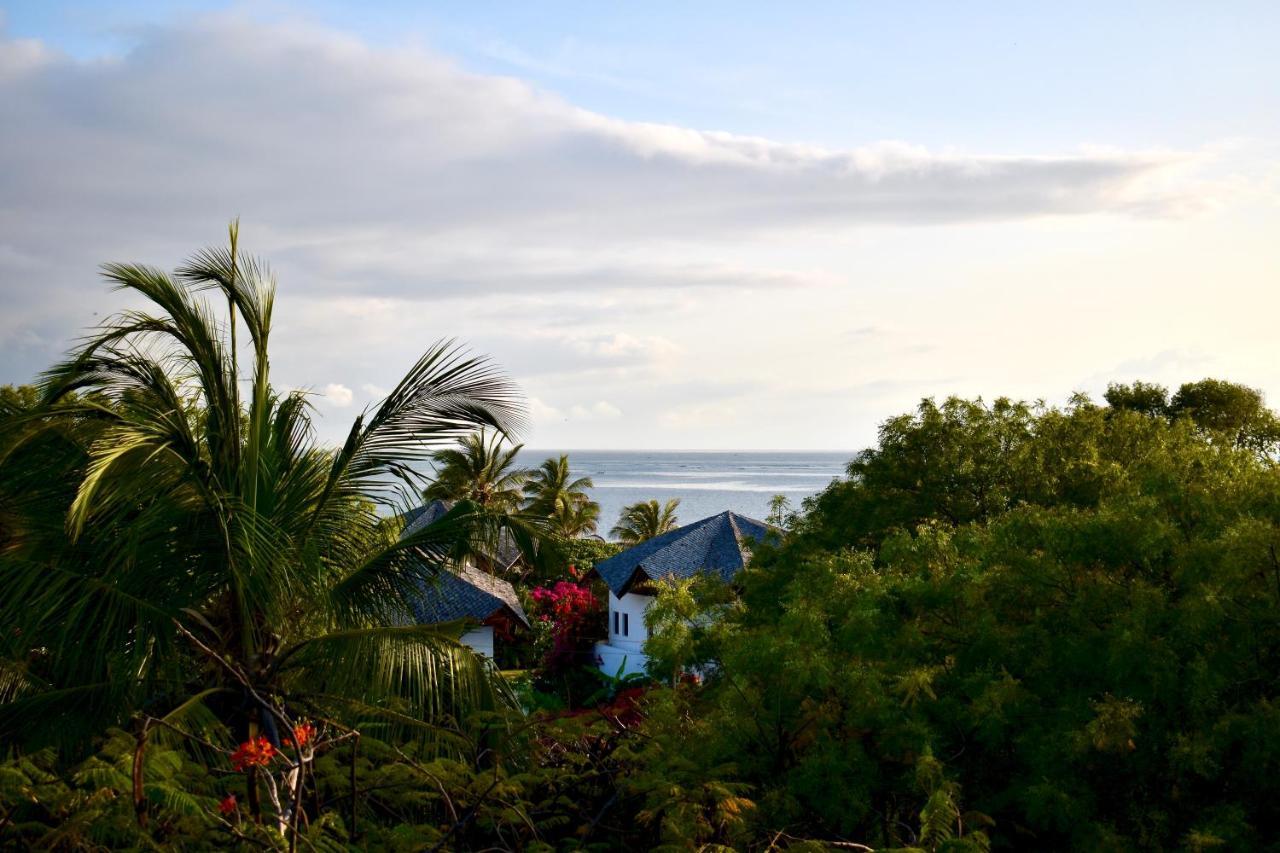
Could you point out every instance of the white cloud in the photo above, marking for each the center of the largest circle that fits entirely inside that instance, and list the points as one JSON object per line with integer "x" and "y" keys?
{"x": 599, "y": 410}
{"x": 337, "y": 395}
{"x": 603, "y": 262}
{"x": 620, "y": 346}
{"x": 698, "y": 415}
{"x": 543, "y": 414}
{"x": 371, "y": 170}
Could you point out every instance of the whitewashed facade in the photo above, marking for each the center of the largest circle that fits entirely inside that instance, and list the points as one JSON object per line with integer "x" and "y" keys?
{"x": 627, "y": 632}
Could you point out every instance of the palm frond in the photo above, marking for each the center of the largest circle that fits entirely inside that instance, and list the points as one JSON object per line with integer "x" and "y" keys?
{"x": 409, "y": 672}
{"x": 446, "y": 395}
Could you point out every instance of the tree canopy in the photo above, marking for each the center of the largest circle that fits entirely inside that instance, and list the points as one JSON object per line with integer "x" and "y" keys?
{"x": 1011, "y": 625}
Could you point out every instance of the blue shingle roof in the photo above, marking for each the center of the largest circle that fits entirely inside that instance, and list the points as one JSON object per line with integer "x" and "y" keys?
{"x": 467, "y": 593}
{"x": 419, "y": 517}
{"x": 717, "y": 545}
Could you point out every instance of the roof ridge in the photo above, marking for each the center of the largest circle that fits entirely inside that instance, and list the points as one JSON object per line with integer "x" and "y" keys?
{"x": 733, "y": 530}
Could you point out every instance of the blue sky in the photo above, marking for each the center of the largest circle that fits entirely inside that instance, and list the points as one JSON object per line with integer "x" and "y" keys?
{"x": 682, "y": 225}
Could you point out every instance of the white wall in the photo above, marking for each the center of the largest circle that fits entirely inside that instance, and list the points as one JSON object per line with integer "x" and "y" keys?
{"x": 625, "y": 649}
{"x": 633, "y": 606}
{"x": 613, "y": 658}
{"x": 480, "y": 639}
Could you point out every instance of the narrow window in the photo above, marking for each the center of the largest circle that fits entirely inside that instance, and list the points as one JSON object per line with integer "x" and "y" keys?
{"x": 626, "y": 624}
{"x": 615, "y": 621}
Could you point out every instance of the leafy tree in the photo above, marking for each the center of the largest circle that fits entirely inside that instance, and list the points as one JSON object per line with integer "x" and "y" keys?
{"x": 644, "y": 520}
{"x": 678, "y": 622}
{"x": 958, "y": 462}
{"x": 1142, "y": 397}
{"x": 1064, "y": 637}
{"x": 15, "y": 399}
{"x": 221, "y": 576}
{"x": 1228, "y": 409}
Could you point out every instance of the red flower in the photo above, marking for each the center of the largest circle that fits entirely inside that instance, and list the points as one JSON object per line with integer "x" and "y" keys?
{"x": 228, "y": 805}
{"x": 302, "y": 735}
{"x": 257, "y": 752}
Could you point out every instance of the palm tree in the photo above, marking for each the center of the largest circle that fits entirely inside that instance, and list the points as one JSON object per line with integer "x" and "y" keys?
{"x": 221, "y": 575}
{"x": 480, "y": 470}
{"x": 645, "y": 520}
{"x": 575, "y": 520}
{"x": 551, "y": 491}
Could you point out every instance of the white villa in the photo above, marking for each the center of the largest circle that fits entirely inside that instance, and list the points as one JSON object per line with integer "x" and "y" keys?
{"x": 719, "y": 545}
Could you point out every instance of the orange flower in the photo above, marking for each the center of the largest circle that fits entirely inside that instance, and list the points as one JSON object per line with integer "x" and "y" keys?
{"x": 257, "y": 752}
{"x": 302, "y": 735}
{"x": 228, "y": 805}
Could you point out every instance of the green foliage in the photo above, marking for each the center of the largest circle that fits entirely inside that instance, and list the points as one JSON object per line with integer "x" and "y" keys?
{"x": 1063, "y": 619}
{"x": 90, "y": 806}
{"x": 680, "y": 621}
{"x": 181, "y": 552}
{"x": 1224, "y": 410}
{"x": 1011, "y": 627}
{"x": 553, "y": 492}
{"x": 479, "y": 469}
{"x": 583, "y": 554}
{"x": 1233, "y": 411}
{"x": 644, "y": 520}
{"x": 781, "y": 514}
{"x": 1142, "y": 397}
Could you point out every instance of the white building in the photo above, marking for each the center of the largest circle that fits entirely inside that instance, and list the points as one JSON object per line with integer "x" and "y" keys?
{"x": 719, "y": 545}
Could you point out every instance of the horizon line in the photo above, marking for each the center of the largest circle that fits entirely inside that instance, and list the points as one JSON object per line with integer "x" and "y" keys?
{"x": 687, "y": 450}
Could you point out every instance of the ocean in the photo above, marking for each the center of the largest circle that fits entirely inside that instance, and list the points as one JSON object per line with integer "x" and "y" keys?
{"x": 706, "y": 483}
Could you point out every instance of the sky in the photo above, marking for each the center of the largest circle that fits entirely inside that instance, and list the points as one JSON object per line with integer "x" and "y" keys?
{"x": 711, "y": 225}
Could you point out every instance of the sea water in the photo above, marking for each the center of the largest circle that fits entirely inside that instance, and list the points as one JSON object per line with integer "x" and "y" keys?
{"x": 706, "y": 482}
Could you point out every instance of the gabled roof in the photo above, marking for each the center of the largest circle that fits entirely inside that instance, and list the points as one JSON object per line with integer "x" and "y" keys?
{"x": 718, "y": 545}
{"x": 468, "y": 593}
{"x": 419, "y": 517}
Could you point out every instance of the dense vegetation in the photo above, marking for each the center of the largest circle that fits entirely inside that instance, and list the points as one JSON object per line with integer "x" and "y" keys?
{"x": 1059, "y": 629}
{"x": 1009, "y": 627}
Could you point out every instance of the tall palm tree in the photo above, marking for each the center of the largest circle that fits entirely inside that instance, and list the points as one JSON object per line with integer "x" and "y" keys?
{"x": 552, "y": 491}
{"x": 644, "y": 520}
{"x": 221, "y": 575}
{"x": 479, "y": 469}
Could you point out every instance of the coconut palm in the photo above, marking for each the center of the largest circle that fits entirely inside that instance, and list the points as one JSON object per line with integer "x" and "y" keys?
{"x": 221, "y": 574}
{"x": 479, "y": 469}
{"x": 575, "y": 520}
{"x": 644, "y": 520}
{"x": 552, "y": 491}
